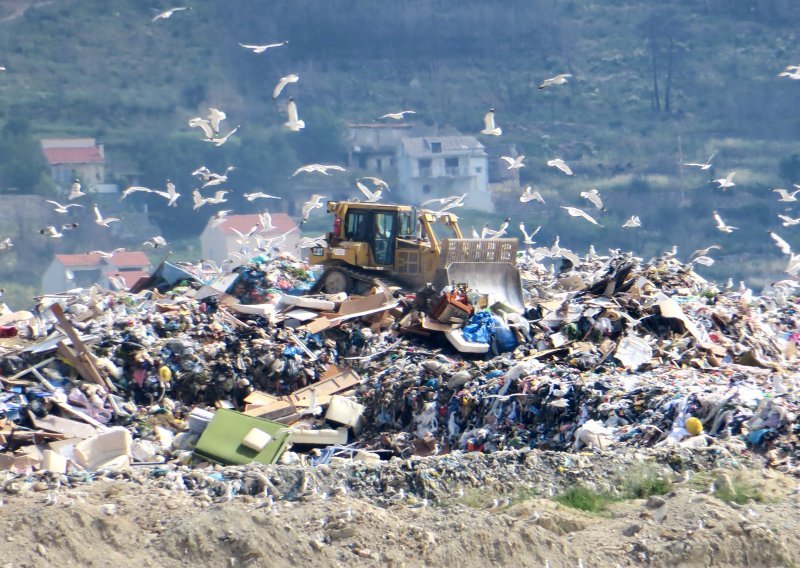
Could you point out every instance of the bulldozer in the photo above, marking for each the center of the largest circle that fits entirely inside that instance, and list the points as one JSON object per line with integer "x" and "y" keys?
{"x": 398, "y": 246}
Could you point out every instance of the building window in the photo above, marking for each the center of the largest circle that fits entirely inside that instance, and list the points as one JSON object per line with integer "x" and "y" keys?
{"x": 436, "y": 147}
{"x": 379, "y": 165}
{"x": 426, "y": 189}
{"x": 424, "y": 167}
{"x": 451, "y": 166}
{"x": 478, "y": 169}
{"x": 362, "y": 162}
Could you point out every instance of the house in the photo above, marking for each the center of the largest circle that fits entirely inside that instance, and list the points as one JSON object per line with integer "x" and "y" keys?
{"x": 71, "y": 158}
{"x": 372, "y": 147}
{"x": 83, "y": 270}
{"x": 438, "y": 166}
{"x": 217, "y": 242}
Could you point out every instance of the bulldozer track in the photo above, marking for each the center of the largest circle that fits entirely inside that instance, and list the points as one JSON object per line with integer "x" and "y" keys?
{"x": 366, "y": 276}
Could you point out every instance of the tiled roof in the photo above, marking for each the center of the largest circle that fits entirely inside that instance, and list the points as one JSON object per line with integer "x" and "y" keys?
{"x": 73, "y": 155}
{"x": 243, "y": 223}
{"x": 130, "y": 277}
{"x": 450, "y": 144}
{"x": 120, "y": 260}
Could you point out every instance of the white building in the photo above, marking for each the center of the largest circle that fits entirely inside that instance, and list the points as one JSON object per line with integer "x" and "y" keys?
{"x": 439, "y": 166}
{"x": 69, "y": 271}
{"x": 217, "y": 242}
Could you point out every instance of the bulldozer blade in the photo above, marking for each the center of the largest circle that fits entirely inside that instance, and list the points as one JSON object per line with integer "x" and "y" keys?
{"x": 501, "y": 281}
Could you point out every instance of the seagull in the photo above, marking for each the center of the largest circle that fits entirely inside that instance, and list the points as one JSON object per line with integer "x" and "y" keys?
{"x": 489, "y": 126}
{"x": 446, "y": 201}
{"x": 794, "y": 265}
{"x": 69, "y": 226}
{"x": 204, "y": 125}
{"x": 104, "y": 254}
{"x": 308, "y": 242}
{"x": 216, "y": 179}
{"x": 294, "y": 123}
{"x": 788, "y": 221}
{"x": 557, "y": 80}
{"x": 202, "y": 172}
{"x": 292, "y": 78}
{"x": 314, "y": 203}
{"x": 103, "y": 221}
{"x": 245, "y": 237}
{"x": 265, "y": 219}
{"x": 155, "y": 242}
{"x": 372, "y": 196}
{"x": 528, "y": 238}
{"x": 397, "y": 115}
{"x": 219, "y": 217}
{"x": 220, "y": 141}
{"x": 219, "y": 197}
{"x": 75, "y": 190}
{"x": 704, "y": 260}
{"x": 62, "y": 208}
{"x": 487, "y": 233}
{"x": 198, "y": 199}
{"x": 51, "y": 232}
{"x": 513, "y": 163}
{"x": 215, "y": 116}
{"x": 134, "y": 189}
{"x": 785, "y": 247}
{"x": 632, "y": 223}
{"x": 559, "y": 163}
{"x": 575, "y": 212}
{"x": 785, "y": 195}
{"x": 6, "y": 244}
{"x": 795, "y": 75}
{"x": 703, "y": 251}
{"x": 529, "y": 195}
{"x": 594, "y": 196}
{"x": 321, "y": 168}
{"x": 726, "y": 182}
{"x": 376, "y": 181}
{"x": 170, "y": 195}
{"x": 168, "y": 13}
{"x": 704, "y": 166}
{"x": 258, "y": 194}
{"x": 263, "y": 48}
{"x": 721, "y": 224}
{"x": 558, "y": 251}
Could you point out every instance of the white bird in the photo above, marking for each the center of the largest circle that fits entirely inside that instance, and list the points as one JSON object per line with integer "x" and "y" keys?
{"x": 265, "y": 219}
{"x": 203, "y": 172}
{"x": 104, "y": 254}
{"x": 75, "y": 190}
{"x": 559, "y": 163}
{"x": 530, "y": 195}
{"x": 487, "y": 233}
{"x": 703, "y": 251}
{"x": 376, "y": 181}
{"x": 170, "y": 195}
{"x": 372, "y": 196}
{"x": 575, "y": 212}
{"x": 219, "y": 141}
{"x": 155, "y": 242}
{"x": 103, "y": 221}
{"x": 513, "y": 163}
{"x": 2, "y": 68}
{"x": 558, "y": 251}
{"x": 314, "y": 203}
{"x": 788, "y": 221}
{"x": 594, "y": 196}
{"x": 294, "y": 123}
{"x": 321, "y": 168}
{"x": 785, "y": 247}
{"x": 51, "y": 231}
{"x": 263, "y": 48}
{"x": 721, "y": 224}
{"x": 258, "y": 194}
{"x": 489, "y": 126}
{"x": 204, "y": 125}
{"x": 793, "y": 267}
{"x": 215, "y": 116}
{"x": 794, "y": 75}
{"x": 703, "y": 166}
{"x": 216, "y": 179}
{"x": 785, "y": 195}
{"x": 134, "y": 189}
{"x": 6, "y": 243}
{"x": 726, "y": 182}
{"x": 557, "y": 80}
{"x": 632, "y": 223}
{"x": 198, "y": 199}
{"x": 704, "y": 260}
{"x": 449, "y": 202}
{"x": 308, "y": 242}
{"x": 528, "y": 238}
{"x": 62, "y": 208}
{"x": 397, "y": 115}
{"x": 245, "y": 237}
{"x": 219, "y": 197}
{"x": 168, "y": 13}
{"x": 219, "y": 217}
{"x": 292, "y": 78}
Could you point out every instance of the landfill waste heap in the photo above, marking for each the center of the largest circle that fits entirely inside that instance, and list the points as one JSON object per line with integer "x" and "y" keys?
{"x": 199, "y": 370}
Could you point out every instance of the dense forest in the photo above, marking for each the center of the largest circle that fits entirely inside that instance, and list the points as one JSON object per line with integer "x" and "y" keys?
{"x": 653, "y": 84}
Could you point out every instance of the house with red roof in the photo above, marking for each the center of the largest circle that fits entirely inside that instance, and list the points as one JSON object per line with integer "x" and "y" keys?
{"x": 219, "y": 239}
{"x": 120, "y": 271}
{"x": 71, "y": 158}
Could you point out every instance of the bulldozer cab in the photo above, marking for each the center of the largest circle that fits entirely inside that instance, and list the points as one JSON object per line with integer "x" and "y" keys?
{"x": 380, "y": 229}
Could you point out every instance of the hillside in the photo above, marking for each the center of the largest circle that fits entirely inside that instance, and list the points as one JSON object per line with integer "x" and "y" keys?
{"x": 652, "y": 86}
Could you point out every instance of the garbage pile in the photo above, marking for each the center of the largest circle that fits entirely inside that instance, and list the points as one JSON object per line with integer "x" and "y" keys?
{"x": 241, "y": 367}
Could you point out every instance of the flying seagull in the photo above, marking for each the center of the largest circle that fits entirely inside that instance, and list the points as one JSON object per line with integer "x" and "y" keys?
{"x": 594, "y": 196}
{"x": 155, "y": 242}
{"x": 215, "y": 116}
{"x": 212, "y": 178}
{"x": 203, "y": 124}
{"x": 376, "y": 181}
{"x": 726, "y": 182}
{"x": 704, "y": 166}
{"x": 52, "y": 232}
{"x": 785, "y": 247}
{"x": 530, "y": 195}
{"x": 487, "y": 233}
{"x": 788, "y": 221}
{"x": 283, "y": 82}
{"x": 557, "y": 80}
{"x": 791, "y": 72}
{"x": 62, "y": 208}
{"x": 528, "y": 238}
{"x": 75, "y": 190}
{"x": 575, "y": 212}
{"x": 6, "y": 244}
{"x": 103, "y": 221}
{"x": 489, "y": 126}
{"x": 721, "y": 224}
{"x": 321, "y": 168}
{"x": 632, "y": 223}
{"x": 168, "y": 13}
{"x": 703, "y": 251}
{"x": 219, "y": 141}
{"x": 104, "y": 254}
{"x": 513, "y": 163}
{"x": 170, "y": 195}
{"x": 263, "y": 48}
{"x": 219, "y": 217}
{"x": 134, "y": 189}
{"x": 785, "y": 195}
{"x": 372, "y": 196}
{"x": 559, "y": 163}
{"x": 259, "y": 195}
{"x": 397, "y": 115}
{"x": 314, "y": 203}
{"x": 294, "y": 123}
{"x": 265, "y": 220}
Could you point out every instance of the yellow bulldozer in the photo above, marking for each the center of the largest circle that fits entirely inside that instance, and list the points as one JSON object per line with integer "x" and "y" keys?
{"x": 398, "y": 245}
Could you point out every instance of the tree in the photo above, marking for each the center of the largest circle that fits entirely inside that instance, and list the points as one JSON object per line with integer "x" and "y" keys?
{"x": 22, "y": 163}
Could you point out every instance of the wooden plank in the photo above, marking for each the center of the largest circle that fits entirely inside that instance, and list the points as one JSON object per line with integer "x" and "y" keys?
{"x": 83, "y": 354}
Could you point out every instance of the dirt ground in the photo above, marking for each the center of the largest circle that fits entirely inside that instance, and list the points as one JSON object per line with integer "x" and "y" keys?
{"x": 120, "y": 523}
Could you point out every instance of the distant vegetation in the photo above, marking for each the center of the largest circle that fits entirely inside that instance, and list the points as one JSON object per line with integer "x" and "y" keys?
{"x": 652, "y": 85}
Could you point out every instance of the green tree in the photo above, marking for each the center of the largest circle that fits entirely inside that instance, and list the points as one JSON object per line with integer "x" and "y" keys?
{"x": 22, "y": 163}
